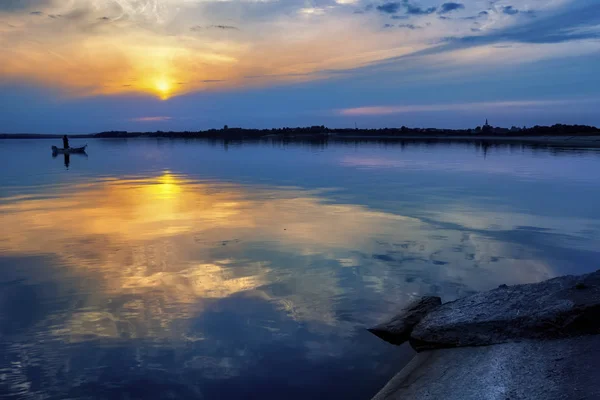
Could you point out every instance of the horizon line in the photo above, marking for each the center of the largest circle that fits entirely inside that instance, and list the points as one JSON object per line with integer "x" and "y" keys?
{"x": 323, "y": 127}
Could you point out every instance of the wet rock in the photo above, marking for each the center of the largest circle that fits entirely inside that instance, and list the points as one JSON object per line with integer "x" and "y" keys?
{"x": 557, "y": 308}
{"x": 398, "y": 329}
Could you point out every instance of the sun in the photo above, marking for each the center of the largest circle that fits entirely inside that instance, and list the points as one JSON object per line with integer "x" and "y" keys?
{"x": 163, "y": 87}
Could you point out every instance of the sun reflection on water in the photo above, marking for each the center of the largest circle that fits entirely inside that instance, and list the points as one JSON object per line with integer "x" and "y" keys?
{"x": 151, "y": 253}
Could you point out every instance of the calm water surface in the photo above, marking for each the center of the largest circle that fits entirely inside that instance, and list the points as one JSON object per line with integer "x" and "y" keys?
{"x": 173, "y": 269}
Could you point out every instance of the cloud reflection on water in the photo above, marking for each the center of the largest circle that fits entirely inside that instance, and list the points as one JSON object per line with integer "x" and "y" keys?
{"x": 150, "y": 253}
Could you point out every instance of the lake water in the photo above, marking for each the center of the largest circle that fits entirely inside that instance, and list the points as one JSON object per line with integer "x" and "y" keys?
{"x": 189, "y": 269}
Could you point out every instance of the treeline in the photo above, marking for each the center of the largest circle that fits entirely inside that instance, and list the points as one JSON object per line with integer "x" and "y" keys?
{"x": 323, "y": 131}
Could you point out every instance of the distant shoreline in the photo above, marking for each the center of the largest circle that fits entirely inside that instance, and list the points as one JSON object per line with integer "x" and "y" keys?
{"x": 558, "y": 133}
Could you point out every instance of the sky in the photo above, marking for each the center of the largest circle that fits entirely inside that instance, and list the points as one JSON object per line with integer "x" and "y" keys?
{"x": 84, "y": 66}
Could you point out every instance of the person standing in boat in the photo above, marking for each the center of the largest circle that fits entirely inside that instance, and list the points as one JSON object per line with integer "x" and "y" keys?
{"x": 65, "y": 142}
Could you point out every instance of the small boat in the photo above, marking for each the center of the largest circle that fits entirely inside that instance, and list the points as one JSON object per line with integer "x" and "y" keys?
{"x": 70, "y": 150}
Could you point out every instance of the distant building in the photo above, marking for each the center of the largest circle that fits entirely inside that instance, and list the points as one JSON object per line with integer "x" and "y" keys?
{"x": 487, "y": 128}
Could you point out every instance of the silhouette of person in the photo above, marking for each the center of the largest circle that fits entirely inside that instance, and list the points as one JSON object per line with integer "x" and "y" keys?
{"x": 65, "y": 142}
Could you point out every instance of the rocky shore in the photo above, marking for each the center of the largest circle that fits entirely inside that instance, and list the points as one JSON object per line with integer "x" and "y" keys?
{"x": 535, "y": 341}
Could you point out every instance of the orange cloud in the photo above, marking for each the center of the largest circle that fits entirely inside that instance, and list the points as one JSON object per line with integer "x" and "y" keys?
{"x": 172, "y": 47}
{"x": 96, "y": 50}
{"x": 151, "y": 119}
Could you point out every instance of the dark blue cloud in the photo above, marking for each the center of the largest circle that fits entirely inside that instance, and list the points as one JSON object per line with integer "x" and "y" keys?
{"x": 416, "y": 10}
{"x": 568, "y": 25}
{"x": 558, "y": 28}
{"x": 510, "y": 10}
{"x": 410, "y": 9}
{"x": 449, "y": 7}
{"x": 390, "y": 8}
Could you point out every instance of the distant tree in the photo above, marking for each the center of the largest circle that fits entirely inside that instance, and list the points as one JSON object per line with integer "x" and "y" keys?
{"x": 225, "y": 127}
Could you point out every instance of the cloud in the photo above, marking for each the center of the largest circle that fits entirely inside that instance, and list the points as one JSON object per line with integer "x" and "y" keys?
{"x": 224, "y": 27}
{"x": 417, "y": 108}
{"x": 199, "y": 28}
{"x": 449, "y": 7}
{"x": 416, "y": 10}
{"x": 390, "y": 8}
{"x": 410, "y": 9}
{"x": 308, "y": 11}
{"x": 152, "y": 45}
{"x": 18, "y": 5}
{"x": 510, "y": 10}
{"x": 409, "y": 26}
{"x": 151, "y": 119}
{"x": 566, "y": 26}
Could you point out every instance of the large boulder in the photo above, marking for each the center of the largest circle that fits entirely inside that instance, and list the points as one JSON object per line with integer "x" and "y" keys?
{"x": 398, "y": 329}
{"x": 557, "y": 308}
{"x": 564, "y": 369}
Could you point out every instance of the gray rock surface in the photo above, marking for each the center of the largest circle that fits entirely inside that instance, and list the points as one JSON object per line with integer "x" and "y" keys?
{"x": 557, "y": 308}
{"x": 398, "y": 329}
{"x": 562, "y": 369}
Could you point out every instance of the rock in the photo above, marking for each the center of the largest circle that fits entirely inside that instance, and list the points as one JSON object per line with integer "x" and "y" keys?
{"x": 557, "y": 308}
{"x": 398, "y": 329}
{"x": 563, "y": 369}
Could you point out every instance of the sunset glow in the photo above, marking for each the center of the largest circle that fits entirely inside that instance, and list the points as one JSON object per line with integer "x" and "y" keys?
{"x": 383, "y": 54}
{"x": 228, "y": 198}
